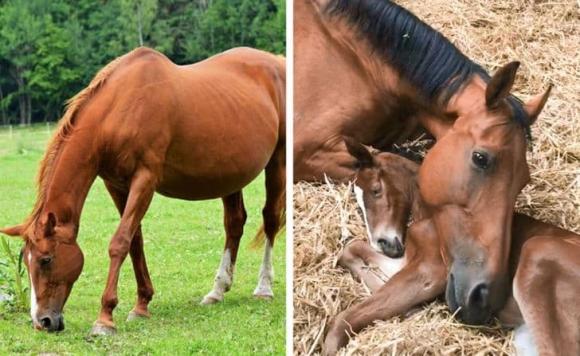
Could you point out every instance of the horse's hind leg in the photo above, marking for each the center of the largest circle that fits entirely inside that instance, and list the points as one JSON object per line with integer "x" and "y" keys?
{"x": 234, "y": 220}
{"x": 272, "y": 215}
{"x": 144, "y": 286}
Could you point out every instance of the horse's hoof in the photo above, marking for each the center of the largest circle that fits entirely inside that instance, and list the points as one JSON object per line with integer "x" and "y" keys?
{"x": 133, "y": 315}
{"x": 211, "y": 298}
{"x": 264, "y": 295}
{"x": 99, "y": 329}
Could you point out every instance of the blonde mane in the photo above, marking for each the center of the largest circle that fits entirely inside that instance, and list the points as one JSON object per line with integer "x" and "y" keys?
{"x": 63, "y": 131}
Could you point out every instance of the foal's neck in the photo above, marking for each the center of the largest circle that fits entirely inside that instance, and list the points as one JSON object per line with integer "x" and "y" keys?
{"x": 72, "y": 175}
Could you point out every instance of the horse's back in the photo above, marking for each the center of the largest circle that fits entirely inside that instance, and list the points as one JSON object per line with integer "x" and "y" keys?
{"x": 207, "y": 129}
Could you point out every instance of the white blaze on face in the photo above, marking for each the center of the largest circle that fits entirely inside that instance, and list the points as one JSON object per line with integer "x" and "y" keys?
{"x": 383, "y": 231}
{"x": 223, "y": 280}
{"x": 33, "y": 305}
{"x": 264, "y": 288}
{"x": 359, "y": 194}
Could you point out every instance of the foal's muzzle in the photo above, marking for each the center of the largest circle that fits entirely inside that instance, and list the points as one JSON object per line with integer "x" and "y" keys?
{"x": 52, "y": 322}
{"x": 392, "y": 248}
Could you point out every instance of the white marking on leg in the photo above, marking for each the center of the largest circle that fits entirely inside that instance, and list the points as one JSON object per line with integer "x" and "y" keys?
{"x": 223, "y": 280}
{"x": 391, "y": 266}
{"x": 33, "y": 303}
{"x": 264, "y": 288}
{"x": 523, "y": 338}
{"x": 524, "y": 341}
{"x": 358, "y": 193}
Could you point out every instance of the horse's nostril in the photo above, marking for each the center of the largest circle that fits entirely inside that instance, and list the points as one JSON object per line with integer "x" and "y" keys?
{"x": 398, "y": 245}
{"x": 479, "y": 296}
{"x": 45, "y": 322}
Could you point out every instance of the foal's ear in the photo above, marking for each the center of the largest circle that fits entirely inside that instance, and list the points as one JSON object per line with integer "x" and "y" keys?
{"x": 17, "y": 230}
{"x": 358, "y": 151}
{"x": 500, "y": 84}
{"x": 535, "y": 105}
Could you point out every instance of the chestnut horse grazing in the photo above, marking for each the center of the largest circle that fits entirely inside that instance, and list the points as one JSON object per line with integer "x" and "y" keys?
{"x": 544, "y": 262}
{"x": 146, "y": 125}
{"x": 372, "y": 70}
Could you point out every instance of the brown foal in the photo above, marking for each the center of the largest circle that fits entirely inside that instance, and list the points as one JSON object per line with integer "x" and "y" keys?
{"x": 544, "y": 265}
{"x": 146, "y": 125}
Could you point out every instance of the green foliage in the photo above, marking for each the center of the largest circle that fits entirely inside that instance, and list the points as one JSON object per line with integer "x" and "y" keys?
{"x": 11, "y": 283}
{"x": 49, "y": 50}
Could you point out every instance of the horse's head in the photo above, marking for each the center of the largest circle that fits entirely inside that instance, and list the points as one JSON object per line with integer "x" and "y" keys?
{"x": 54, "y": 262}
{"x": 470, "y": 180}
{"x": 384, "y": 199}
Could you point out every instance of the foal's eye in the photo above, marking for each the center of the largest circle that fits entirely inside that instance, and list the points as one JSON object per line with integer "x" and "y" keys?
{"x": 480, "y": 160}
{"x": 376, "y": 191}
{"x": 45, "y": 261}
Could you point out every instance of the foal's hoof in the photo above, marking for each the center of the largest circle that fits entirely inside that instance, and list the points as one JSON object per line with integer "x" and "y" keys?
{"x": 133, "y": 315}
{"x": 102, "y": 330}
{"x": 212, "y": 298}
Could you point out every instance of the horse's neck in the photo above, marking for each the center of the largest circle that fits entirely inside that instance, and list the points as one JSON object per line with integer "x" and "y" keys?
{"x": 69, "y": 181}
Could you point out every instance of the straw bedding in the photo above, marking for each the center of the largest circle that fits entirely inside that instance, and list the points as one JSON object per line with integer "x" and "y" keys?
{"x": 545, "y": 37}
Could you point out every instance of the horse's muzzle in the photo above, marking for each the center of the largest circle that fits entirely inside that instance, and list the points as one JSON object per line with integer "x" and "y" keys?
{"x": 472, "y": 300}
{"x": 52, "y": 322}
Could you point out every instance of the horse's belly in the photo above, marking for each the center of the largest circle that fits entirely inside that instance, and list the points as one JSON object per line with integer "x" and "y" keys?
{"x": 213, "y": 173}
{"x": 188, "y": 187}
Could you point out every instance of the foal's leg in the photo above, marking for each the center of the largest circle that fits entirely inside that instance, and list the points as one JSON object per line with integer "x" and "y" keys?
{"x": 140, "y": 195}
{"x": 421, "y": 280}
{"x": 546, "y": 288}
{"x": 272, "y": 215}
{"x": 234, "y": 220}
{"x": 362, "y": 261}
{"x": 144, "y": 286}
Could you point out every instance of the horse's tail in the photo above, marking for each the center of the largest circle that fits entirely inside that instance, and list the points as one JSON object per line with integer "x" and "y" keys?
{"x": 260, "y": 237}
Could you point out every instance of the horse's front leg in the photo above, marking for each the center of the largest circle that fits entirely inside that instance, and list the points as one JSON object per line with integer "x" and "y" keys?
{"x": 546, "y": 287}
{"x": 140, "y": 195}
{"x": 422, "y": 279}
{"x": 144, "y": 286}
{"x": 372, "y": 268}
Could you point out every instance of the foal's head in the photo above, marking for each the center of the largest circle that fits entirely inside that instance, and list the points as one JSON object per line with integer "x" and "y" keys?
{"x": 384, "y": 195}
{"x": 470, "y": 180}
{"x": 54, "y": 262}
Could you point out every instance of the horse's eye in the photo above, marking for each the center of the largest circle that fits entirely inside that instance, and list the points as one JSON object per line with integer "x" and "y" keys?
{"x": 376, "y": 191}
{"x": 480, "y": 160}
{"x": 45, "y": 261}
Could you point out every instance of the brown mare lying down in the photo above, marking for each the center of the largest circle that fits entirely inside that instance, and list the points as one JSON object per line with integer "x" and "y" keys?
{"x": 146, "y": 125}
{"x": 544, "y": 264}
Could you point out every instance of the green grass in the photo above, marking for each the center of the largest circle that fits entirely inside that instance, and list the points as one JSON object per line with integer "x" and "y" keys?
{"x": 183, "y": 246}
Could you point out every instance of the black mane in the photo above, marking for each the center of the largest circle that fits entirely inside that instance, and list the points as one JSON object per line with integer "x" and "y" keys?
{"x": 419, "y": 53}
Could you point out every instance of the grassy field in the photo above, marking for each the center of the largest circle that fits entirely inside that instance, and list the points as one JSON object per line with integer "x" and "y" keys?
{"x": 183, "y": 245}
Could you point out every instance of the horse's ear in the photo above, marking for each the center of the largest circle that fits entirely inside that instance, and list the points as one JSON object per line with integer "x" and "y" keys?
{"x": 50, "y": 225}
{"x": 500, "y": 84}
{"x": 17, "y": 230}
{"x": 358, "y": 151}
{"x": 535, "y": 105}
